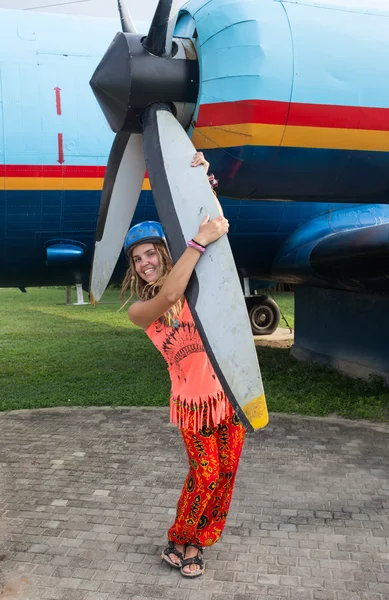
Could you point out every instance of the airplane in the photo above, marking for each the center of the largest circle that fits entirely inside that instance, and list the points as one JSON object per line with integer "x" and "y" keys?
{"x": 295, "y": 128}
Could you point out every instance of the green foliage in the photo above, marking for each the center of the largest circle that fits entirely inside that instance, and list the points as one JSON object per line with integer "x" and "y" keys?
{"x": 58, "y": 355}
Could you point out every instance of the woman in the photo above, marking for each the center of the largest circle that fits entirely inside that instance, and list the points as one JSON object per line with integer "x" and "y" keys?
{"x": 212, "y": 433}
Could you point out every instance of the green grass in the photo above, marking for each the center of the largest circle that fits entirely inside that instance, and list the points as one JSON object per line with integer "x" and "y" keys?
{"x": 286, "y": 305}
{"x": 57, "y": 355}
{"x": 308, "y": 389}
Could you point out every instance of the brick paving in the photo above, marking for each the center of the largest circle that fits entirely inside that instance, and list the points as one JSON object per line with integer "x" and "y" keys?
{"x": 86, "y": 497}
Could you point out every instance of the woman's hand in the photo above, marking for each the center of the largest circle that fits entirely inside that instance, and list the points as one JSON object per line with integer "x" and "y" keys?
{"x": 210, "y": 231}
{"x": 198, "y": 160}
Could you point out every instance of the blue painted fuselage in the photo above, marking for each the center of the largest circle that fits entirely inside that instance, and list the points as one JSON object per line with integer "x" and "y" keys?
{"x": 54, "y": 145}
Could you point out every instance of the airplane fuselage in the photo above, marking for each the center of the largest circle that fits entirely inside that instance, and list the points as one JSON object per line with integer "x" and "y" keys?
{"x": 266, "y": 133}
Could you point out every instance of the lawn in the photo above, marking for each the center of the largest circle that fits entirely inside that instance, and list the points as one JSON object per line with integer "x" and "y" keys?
{"x": 286, "y": 306}
{"x": 58, "y": 355}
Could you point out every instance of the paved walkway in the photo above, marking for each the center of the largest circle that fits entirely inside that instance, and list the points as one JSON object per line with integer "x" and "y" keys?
{"x": 281, "y": 338}
{"x": 86, "y": 496}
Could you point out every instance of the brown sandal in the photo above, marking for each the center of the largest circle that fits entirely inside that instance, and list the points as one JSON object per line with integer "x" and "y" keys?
{"x": 171, "y": 549}
{"x": 195, "y": 560}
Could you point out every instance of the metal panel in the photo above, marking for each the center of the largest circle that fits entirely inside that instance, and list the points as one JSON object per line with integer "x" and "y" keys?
{"x": 335, "y": 68}
{"x": 377, "y": 7}
{"x": 86, "y": 133}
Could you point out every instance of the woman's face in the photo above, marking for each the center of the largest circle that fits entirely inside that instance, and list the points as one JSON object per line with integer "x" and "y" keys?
{"x": 147, "y": 262}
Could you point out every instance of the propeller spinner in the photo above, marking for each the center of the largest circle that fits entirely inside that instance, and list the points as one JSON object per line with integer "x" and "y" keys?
{"x": 137, "y": 72}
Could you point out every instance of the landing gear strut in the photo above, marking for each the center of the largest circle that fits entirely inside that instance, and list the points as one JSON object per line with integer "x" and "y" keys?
{"x": 80, "y": 295}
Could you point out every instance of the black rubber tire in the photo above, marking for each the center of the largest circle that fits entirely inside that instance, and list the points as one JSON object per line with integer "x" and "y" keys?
{"x": 264, "y": 317}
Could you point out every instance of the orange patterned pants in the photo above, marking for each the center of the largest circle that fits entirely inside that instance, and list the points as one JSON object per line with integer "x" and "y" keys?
{"x": 202, "y": 509}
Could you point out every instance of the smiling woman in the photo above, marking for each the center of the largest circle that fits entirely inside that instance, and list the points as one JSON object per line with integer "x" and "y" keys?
{"x": 212, "y": 432}
{"x": 147, "y": 263}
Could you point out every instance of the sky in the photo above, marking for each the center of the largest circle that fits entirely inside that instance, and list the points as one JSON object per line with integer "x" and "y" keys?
{"x": 140, "y": 10}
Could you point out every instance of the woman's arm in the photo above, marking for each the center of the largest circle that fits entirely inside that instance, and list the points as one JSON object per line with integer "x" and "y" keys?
{"x": 199, "y": 159}
{"x": 143, "y": 313}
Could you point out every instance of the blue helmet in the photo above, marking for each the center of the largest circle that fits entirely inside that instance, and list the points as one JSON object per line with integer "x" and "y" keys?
{"x": 147, "y": 231}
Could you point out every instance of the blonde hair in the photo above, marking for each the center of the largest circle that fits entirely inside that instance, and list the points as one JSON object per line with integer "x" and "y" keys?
{"x": 145, "y": 291}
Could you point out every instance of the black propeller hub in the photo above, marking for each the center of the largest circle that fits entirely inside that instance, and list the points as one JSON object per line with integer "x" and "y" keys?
{"x": 129, "y": 78}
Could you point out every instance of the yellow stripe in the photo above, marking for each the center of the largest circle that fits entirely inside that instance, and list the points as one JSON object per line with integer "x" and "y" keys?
{"x": 252, "y": 134}
{"x": 256, "y": 412}
{"x": 338, "y": 139}
{"x": 56, "y": 183}
{"x": 51, "y": 183}
{"x": 246, "y": 134}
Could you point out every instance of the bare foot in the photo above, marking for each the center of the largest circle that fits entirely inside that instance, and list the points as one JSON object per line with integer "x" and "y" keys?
{"x": 173, "y": 557}
{"x": 190, "y": 552}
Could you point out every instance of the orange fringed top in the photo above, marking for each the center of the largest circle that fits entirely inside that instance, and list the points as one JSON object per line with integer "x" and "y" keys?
{"x": 195, "y": 387}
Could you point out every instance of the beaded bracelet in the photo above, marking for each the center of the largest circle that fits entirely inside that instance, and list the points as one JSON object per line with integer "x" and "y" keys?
{"x": 196, "y": 246}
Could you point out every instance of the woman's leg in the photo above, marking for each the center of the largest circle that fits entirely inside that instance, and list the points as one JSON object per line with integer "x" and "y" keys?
{"x": 230, "y": 436}
{"x": 200, "y": 484}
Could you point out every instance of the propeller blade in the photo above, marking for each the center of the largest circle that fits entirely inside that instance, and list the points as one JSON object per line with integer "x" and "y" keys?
{"x": 183, "y": 197}
{"x": 159, "y": 40}
{"x": 125, "y": 18}
{"x": 122, "y": 186}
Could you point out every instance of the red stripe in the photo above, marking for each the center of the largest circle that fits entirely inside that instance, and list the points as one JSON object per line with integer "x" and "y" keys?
{"x": 244, "y": 111}
{"x": 50, "y": 171}
{"x": 304, "y": 115}
{"x": 53, "y": 171}
{"x": 342, "y": 117}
